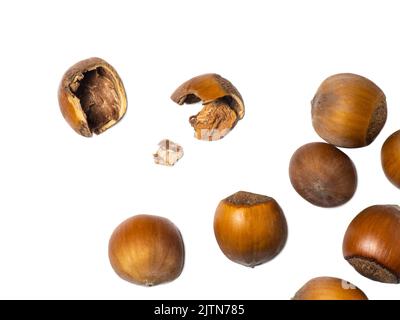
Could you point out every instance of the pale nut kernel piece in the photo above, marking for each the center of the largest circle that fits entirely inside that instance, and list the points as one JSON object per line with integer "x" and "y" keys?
{"x": 92, "y": 97}
{"x": 168, "y": 153}
{"x": 223, "y": 105}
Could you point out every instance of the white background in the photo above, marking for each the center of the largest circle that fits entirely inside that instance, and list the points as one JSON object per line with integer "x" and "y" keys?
{"x": 62, "y": 195}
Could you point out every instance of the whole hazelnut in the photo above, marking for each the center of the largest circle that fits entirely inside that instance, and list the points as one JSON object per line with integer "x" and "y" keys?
{"x": 250, "y": 228}
{"x": 147, "y": 250}
{"x": 322, "y": 174}
{"x": 390, "y": 157}
{"x": 348, "y": 110}
{"x": 92, "y": 97}
{"x": 328, "y": 288}
{"x": 372, "y": 243}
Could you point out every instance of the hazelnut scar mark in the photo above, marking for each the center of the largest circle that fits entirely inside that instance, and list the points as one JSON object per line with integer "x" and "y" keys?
{"x": 372, "y": 269}
{"x": 223, "y": 105}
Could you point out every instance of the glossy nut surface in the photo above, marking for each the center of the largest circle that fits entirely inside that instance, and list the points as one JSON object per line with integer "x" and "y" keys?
{"x": 322, "y": 174}
{"x": 328, "y": 288}
{"x": 372, "y": 243}
{"x": 92, "y": 97}
{"x": 147, "y": 250}
{"x": 250, "y": 228}
{"x": 223, "y": 105}
{"x": 390, "y": 157}
{"x": 348, "y": 110}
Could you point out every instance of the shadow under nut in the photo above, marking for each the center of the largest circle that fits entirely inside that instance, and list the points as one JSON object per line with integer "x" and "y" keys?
{"x": 322, "y": 174}
{"x": 348, "y": 110}
{"x": 372, "y": 243}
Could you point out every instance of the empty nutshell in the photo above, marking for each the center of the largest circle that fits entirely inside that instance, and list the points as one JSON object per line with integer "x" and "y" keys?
{"x": 92, "y": 97}
{"x": 329, "y": 288}
{"x": 223, "y": 105}
{"x": 348, "y": 110}
{"x": 322, "y": 174}
{"x": 372, "y": 243}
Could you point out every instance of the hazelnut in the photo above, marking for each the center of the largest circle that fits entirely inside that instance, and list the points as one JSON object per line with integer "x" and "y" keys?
{"x": 322, "y": 174}
{"x": 223, "y": 105}
{"x": 372, "y": 243}
{"x": 92, "y": 97}
{"x": 328, "y": 288}
{"x": 390, "y": 157}
{"x": 250, "y": 228}
{"x": 147, "y": 250}
{"x": 348, "y": 110}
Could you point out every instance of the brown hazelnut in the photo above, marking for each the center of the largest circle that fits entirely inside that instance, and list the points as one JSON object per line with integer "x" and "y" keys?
{"x": 372, "y": 243}
{"x": 147, "y": 250}
{"x": 322, "y": 174}
{"x": 250, "y": 228}
{"x": 390, "y": 157}
{"x": 92, "y": 97}
{"x": 223, "y": 105}
{"x": 328, "y": 288}
{"x": 348, "y": 110}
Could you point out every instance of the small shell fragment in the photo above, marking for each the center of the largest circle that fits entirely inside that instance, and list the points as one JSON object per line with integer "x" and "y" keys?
{"x": 168, "y": 153}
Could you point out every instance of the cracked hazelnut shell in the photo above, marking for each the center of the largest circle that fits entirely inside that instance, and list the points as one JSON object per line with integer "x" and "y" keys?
{"x": 329, "y": 288}
{"x": 348, "y": 110}
{"x": 372, "y": 243}
{"x": 147, "y": 250}
{"x": 390, "y": 158}
{"x": 92, "y": 97}
{"x": 322, "y": 174}
{"x": 250, "y": 229}
{"x": 223, "y": 105}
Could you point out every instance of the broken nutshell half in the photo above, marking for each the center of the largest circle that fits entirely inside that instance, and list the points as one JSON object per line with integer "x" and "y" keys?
{"x": 92, "y": 97}
{"x": 223, "y": 105}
